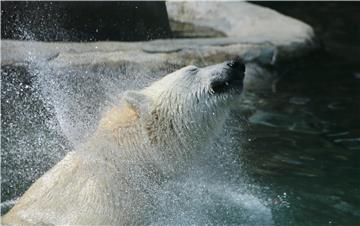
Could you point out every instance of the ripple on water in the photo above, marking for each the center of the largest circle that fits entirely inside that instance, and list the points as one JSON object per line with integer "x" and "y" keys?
{"x": 300, "y": 122}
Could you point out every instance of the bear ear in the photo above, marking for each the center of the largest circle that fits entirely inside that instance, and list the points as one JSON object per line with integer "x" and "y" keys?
{"x": 137, "y": 100}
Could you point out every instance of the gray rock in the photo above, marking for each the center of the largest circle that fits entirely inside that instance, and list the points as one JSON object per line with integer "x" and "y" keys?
{"x": 245, "y": 21}
{"x": 259, "y": 35}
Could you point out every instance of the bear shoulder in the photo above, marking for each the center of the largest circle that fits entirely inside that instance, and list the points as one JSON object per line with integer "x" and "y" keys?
{"x": 118, "y": 117}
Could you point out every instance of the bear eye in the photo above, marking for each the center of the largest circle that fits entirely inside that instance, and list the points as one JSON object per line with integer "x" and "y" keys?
{"x": 193, "y": 69}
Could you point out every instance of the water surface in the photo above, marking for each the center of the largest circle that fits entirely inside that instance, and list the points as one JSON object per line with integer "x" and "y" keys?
{"x": 303, "y": 143}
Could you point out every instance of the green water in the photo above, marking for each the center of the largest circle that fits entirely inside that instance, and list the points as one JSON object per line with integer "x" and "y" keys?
{"x": 302, "y": 143}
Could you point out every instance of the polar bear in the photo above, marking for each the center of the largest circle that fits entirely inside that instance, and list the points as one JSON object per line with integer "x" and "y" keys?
{"x": 151, "y": 135}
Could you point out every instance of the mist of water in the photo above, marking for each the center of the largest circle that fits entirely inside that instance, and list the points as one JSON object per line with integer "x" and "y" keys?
{"x": 51, "y": 111}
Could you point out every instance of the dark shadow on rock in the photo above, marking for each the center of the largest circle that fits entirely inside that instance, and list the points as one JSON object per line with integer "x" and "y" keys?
{"x": 84, "y": 21}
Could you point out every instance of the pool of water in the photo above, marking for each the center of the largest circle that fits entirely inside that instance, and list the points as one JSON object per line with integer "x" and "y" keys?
{"x": 298, "y": 149}
{"x": 303, "y": 143}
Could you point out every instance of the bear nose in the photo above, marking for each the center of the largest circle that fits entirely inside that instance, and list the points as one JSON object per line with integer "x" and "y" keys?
{"x": 237, "y": 64}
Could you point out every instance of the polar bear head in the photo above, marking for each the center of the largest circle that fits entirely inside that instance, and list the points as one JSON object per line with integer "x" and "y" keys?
{"x": 182, "y": 111}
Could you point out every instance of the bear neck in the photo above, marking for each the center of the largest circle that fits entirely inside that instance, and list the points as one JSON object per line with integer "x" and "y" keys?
{"x": 178, "y": 137}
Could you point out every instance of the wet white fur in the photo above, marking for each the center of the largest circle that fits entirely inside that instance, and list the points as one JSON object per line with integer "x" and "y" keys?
{"x": 114, "y": 177}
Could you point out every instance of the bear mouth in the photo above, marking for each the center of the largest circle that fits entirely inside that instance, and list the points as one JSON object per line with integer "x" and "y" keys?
{"x": 233, "y": 84}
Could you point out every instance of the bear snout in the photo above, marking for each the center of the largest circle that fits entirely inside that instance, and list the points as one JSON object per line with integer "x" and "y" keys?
{"x": 231, "y": 77}
{"x": 234, "y": 71}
